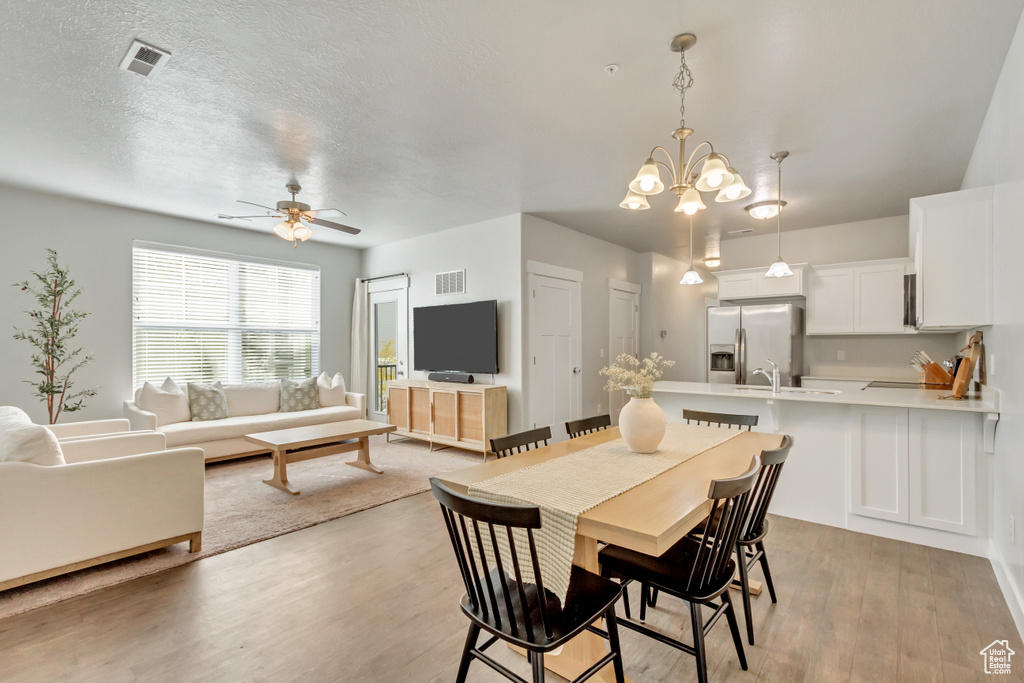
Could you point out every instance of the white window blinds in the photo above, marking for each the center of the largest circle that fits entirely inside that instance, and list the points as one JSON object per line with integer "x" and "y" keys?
{"x": 201, "y": 317}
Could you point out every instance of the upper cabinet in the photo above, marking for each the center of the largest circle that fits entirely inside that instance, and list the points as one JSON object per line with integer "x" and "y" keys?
{"x": 751, "y": 283}
{"x": 951, "y": 241}
{"x": 856, "y": 298}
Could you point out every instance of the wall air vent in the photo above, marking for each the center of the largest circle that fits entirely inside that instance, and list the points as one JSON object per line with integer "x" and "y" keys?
{"x": 144, "y": 60}
{"x": 452, "y": 282}
{"x": 744, "y": 231}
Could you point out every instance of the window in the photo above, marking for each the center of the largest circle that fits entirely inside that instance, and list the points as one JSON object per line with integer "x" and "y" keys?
{"x": 203, "y": 316}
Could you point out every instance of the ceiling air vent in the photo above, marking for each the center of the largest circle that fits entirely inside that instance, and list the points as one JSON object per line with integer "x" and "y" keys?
{"x": 452, "y": 282}
{"x": 144, "y": 59}
{"x": 744, "y": 231}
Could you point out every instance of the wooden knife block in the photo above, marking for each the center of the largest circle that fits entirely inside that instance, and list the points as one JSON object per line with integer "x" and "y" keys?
{"x": 935, "y": 374}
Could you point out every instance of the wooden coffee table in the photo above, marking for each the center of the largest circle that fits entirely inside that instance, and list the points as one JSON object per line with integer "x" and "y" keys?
{"x": 316, "y": 441}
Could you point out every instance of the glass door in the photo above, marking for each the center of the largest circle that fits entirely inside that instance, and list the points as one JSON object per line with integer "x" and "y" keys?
{"x": 389, "y": 318}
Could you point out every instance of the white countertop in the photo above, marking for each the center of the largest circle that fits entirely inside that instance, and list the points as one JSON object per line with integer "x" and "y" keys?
{"x": 988, "y": 402}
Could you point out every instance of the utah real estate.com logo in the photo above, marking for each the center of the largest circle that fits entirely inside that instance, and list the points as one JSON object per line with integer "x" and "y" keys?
{"x": 997, "y": 657}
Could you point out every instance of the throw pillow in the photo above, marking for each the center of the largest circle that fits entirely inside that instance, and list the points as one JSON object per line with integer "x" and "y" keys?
{"x": 299, "y": 395}
{"x": 30, "y": 443}
{"x": 253, "y": 398}
{"x": 331, "y": 390}
{"x": 207, "y": 401}
{"x": 168, "y": 402}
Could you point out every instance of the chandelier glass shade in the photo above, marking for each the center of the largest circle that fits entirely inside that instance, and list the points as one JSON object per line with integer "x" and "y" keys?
{"x": 687, "y": 176}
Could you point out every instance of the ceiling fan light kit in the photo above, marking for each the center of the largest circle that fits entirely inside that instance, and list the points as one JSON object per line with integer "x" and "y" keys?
{"x": 292, "y": 228}
{"x": 692, "y": 175}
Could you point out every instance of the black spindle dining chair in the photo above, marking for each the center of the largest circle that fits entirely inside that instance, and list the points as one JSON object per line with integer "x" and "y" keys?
{"x": 587, "y": 425}
{"x": 697, "y": 569}
{"x": 720, "y": 419}
{"x": 499, "y": 601}
{"x": 511, "y": 444}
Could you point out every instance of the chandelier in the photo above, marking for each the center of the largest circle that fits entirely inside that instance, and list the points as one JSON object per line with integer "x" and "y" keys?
{"x": 708, "y": 173}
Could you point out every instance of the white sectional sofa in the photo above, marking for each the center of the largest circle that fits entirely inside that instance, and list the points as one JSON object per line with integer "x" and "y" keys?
{"x": 252, "y": 408}
{"x": 105, "y": 498}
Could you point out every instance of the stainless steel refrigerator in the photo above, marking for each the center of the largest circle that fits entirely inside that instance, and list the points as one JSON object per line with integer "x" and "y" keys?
{"x": 743, "y": 338}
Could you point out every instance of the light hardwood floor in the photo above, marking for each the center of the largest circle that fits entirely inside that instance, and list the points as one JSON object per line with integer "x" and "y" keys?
{"x": 373, "y": 597}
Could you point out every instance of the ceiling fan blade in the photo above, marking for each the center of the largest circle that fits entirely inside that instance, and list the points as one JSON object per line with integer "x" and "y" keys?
{"x": 242, "y": 201}
{"x": 225, "y": 217}
{"x": 335, "y": 226}
{"x": 316, "y": 212}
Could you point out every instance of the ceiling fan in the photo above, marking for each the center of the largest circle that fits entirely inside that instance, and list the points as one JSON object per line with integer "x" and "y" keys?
{"x": 294, "y": 213}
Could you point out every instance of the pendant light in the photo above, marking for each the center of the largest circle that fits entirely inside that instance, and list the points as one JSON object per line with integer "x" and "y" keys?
{"x": 780, "y": 268}
{"x": 691, "y": 277}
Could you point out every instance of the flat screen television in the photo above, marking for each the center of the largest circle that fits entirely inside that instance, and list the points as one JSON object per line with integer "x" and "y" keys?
{"x": 456, "y": 337}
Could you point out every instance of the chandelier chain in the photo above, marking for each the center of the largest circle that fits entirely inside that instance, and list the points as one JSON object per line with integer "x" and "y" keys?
{"x": 682, "y": 83}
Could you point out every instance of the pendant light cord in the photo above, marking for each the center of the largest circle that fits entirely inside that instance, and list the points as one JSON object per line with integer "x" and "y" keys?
{"x": 779, "y": 213}
{"x": 691, "y": 243}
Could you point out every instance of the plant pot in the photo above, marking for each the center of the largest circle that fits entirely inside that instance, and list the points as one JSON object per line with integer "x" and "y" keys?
{"x": 642, "y": 425}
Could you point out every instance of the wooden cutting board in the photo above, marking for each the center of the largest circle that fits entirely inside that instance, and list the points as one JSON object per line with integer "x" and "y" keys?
{"x": 962, "y": 381}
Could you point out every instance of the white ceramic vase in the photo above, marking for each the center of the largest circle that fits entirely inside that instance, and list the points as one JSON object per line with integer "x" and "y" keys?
{"x": 642, "y": 425}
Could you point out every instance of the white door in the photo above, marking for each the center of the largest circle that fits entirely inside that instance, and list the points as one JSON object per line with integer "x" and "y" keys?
{"x": 879, "y": 468}
{"x": 389, "y": 337}
{"x": 624, "y": 321}
{"x": 555, "y": 349}
{"x": 878, "y": 298}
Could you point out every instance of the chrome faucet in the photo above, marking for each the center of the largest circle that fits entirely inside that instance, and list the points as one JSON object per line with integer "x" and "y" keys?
{"x": 775, "y": 379}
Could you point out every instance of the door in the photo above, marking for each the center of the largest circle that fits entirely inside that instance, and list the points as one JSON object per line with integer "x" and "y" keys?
{"x": 769, "y": 332}
{"x": 829, "y": 301}
{"x": 943, "y": 451}
{"x": 624, "y": 321}
{"x": 723, "y": 347}
{"x": 878, "y": 298}
{"x": 879, "y": 469}
{"x": 389, "y": 320}
{"x": 555, "y": 349}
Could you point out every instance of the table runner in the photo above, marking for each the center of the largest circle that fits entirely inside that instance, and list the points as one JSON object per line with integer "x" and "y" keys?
{"x": 566, "y": 487}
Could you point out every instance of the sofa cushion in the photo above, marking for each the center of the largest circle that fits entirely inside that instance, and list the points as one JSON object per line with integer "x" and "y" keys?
{"x": 27, "y": 442}
{"x": 168, "y": 402}
{"x": 253, "y": 398}
{"x": 13, "y": 414}
{"x": 330, "y": 390}
{"x": 184, "y": 433}
{"x": 207, "y": 401}
{"x": 299, "y": 395}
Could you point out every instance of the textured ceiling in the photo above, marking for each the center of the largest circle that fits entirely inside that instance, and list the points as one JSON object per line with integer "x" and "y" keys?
{"x": 419, "y": 116}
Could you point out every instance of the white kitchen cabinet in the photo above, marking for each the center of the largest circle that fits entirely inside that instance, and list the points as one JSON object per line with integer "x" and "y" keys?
{"x": 914, "y": 466}
{"x": 879, "y": 466}
{"x": 943, "y": 453}
{"x": 951, "y": 241}
{"x": 751, "y": 283}
{"x": 856, "y": 298}
{"x": 830, "y": 300}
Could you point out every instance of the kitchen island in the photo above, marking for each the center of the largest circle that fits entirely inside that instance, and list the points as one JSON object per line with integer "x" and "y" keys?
{"x": 899, "y": 463}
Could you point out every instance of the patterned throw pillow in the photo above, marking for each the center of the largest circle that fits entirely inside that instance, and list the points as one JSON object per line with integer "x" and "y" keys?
{"x": 299, "y": 395}
{"x": 207, "y": 401}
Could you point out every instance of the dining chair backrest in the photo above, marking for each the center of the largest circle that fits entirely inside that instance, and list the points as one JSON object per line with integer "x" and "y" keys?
{"x": 720, "y": 419}
{"x": 761, "y": 496}
{"x": 587, "y": 425}
{"x": 730, "y": 499}
{"x": 523, "y": 441}
{"x": 475, "y": 524}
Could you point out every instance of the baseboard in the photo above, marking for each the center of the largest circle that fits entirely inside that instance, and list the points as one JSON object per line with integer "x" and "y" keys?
{"x": 1011, "y": 591}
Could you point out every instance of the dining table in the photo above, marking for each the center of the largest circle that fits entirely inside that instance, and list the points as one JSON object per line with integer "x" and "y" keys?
{"x": 649, "y": 518}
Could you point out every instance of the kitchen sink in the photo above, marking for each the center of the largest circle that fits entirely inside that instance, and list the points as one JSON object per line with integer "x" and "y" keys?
{"x": 792, "y": 390}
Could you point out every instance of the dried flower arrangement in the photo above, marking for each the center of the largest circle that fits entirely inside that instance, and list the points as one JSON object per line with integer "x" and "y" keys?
{"x": 634, "y": 375}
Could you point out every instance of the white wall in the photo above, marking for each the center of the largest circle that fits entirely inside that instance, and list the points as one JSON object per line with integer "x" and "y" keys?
{"x": 490, "y": 253}
{"x": 998, "y": 160}
{"x": 679, "y": 311}
{"x": 880, "y": 356}
{"x": 95, "y": 242}
{"x": 598, "y": 260}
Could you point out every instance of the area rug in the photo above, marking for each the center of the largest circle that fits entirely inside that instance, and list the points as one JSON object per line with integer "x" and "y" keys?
{"x": 240, "y": 510}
